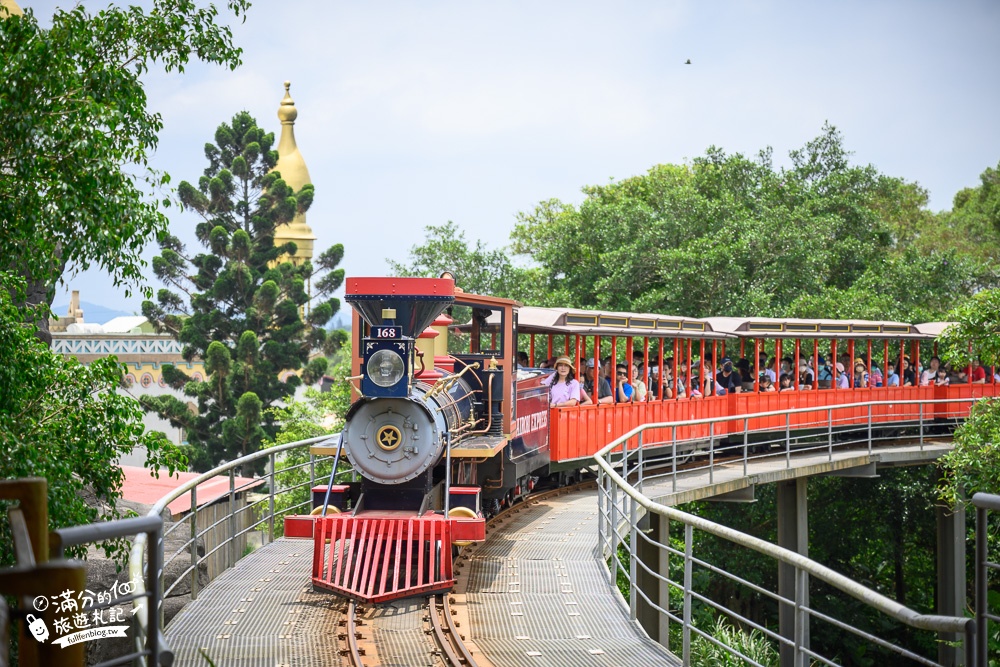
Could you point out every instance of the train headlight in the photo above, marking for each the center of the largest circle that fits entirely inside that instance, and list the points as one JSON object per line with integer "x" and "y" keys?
{"x": 385, "y": 368}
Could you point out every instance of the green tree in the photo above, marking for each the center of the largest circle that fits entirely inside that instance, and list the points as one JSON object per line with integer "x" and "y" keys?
{"x": 77, "y": 134}
{"x": 66, "y": 422}
{"x": 476, "y": 268}
{"x": 733, "y": 235}
{"x": 245, "y": 299}
{"x": 974, "y": 464}
{"x": 315, "y": 414}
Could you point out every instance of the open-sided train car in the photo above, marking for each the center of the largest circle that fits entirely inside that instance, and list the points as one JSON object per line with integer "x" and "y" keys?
{"x": 446, "y": 427}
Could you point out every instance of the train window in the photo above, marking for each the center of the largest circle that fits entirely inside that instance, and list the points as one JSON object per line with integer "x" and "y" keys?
{"x": 476, "y": 329}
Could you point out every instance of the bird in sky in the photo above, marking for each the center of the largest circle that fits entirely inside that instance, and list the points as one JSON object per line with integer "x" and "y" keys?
{"x": 687, "y": 62}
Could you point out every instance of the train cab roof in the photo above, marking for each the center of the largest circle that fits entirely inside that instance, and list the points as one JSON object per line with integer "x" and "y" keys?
{"x": 776, "y": 327}
{"x": 535, "y": 320}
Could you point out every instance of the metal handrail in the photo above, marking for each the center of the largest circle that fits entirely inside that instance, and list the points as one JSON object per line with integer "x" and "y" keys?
{"x": 984, "y": 504}
{"x": 136, "y": 562}
{"x": 608, "y": 470}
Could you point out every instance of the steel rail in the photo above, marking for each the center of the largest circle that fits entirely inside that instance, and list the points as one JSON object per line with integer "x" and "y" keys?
{"x": 353, "y": 651}
{"x": 445, "y": 639}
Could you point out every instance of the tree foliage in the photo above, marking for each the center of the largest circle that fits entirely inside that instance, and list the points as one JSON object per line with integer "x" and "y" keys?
{"x": 239, "y": 304}
{"x": 77, "y": 133}
{"x": 476, "y": 268}
{"x": 315, "y": 414}
{"x": 732, "y": 235}
{"x": 66, "y": 422}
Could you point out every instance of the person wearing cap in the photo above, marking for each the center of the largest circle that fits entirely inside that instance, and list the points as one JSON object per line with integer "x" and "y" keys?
{"x": 730, "y": 381}
{"x": 564, "y": 389}
{"x": 603, "y": 391}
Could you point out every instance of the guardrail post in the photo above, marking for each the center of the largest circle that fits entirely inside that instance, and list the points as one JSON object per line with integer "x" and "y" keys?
{"x": 194, "y": 543}
{"x": 746, "y": 449}
{"x": 711, "y": 453}
{"x": 801, "y": 617}
{"x": 633, "y": 599}
{"x": 312, "y": 472}
{"x": 982, "y": 633}
{"x": 601, "y": 504}
{"x": 232, "y": 517}
{"x": 613, "y": 532}
{"x": 788, "y": 440}
{"x": 686, "y": 631}
{"x": 869, "y": 429}
{"x": 673, "y": 440}
{"x": 921, "y": 427}
{"x": 829, "y": 431}
{"x": 154, "y": 561}
{"x": 641, "y": 463}
{"x": 270, "y": 500}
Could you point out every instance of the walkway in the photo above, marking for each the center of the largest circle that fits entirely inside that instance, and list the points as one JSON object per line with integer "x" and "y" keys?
{"x": 537, "y": 593}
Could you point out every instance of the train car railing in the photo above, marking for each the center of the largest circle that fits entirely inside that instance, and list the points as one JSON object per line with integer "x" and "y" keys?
{"x": 627, "y": 513}
{"x": 578, "y": 432}
{"x": 984, "y": 504}
{"x": 257, "y": 515}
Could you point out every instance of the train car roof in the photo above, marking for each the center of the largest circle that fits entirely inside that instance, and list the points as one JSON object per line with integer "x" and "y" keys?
{"x": 775, "y": 327}
{"x": 933, "y": 329}
{"x": 536, "y": 320}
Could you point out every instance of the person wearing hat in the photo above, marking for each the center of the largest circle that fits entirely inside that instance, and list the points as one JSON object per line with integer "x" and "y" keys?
{"x": 603, "y": 392}
{"x": 730, "y": 381}
{"x": 564, "y": 389}
{"x": 842, "y": 380}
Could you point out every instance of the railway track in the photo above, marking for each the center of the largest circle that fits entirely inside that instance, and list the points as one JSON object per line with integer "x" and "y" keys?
{"x": 453, "y": 648}
{"x": 358, "y": 645}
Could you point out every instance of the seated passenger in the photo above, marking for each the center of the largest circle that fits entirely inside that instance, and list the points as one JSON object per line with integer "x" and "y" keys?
{"x": 564, "y": 389}
{"x": 765, "y": 383}
{"x": 909, "y": 374}
{"x": 842, "y": 380}
{"x": 639, "y": 383}
{"x": 941, "y": 377}
{"x": 978, "y": 372}
{"x": 522, "y": 359}
{"x": 729, "y": 381}
{"x": 825, "y": 374}
{"x": 785, "y": 383}
{"x": 860, "y": 375}
{"x": 891, "y": 378}
{"x": 929, "y": 375}
{"x": 623, "y": 390}
{"x": 603, "y": 392}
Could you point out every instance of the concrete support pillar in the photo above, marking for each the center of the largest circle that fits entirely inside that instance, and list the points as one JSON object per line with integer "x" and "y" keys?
{"x": 793, "y": 534}
{"x": 657, "y": 560}
{"x": 950, "y": 592}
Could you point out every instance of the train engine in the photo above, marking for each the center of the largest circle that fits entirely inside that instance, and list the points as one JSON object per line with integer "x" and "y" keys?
{"x": 390, "y": 534}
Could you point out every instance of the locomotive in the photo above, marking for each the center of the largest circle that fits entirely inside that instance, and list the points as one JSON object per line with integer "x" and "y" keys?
{"x": 433, "y": 435}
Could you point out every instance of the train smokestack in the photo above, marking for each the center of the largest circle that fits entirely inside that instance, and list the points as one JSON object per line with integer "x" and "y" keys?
{"x": 416, "y": 301}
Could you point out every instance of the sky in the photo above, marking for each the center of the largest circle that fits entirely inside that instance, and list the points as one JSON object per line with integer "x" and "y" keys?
{"x": 416, "y": 113}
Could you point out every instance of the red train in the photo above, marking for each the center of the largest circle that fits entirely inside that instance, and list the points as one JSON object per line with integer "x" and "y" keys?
{"x": 447, "y": 428}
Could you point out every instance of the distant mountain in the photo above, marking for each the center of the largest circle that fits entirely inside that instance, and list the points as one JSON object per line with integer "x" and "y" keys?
{"x": 341, "y": 320}
{"x": 92, "y": 312}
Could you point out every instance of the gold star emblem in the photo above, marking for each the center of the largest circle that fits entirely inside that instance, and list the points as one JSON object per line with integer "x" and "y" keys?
{"x": 388, "y": 437}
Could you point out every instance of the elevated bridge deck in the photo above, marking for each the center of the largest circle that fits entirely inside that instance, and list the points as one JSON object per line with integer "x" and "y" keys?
{"x": 535, "y": 592}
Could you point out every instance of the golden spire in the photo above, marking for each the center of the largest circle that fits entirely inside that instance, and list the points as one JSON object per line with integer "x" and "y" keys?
{"x": 11, "y": 9}
{"x": 292, "y": 168}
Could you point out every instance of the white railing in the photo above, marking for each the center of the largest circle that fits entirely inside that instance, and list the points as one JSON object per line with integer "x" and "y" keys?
{"x": 262, "y": 514}
{"x": 623, "y": 478}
